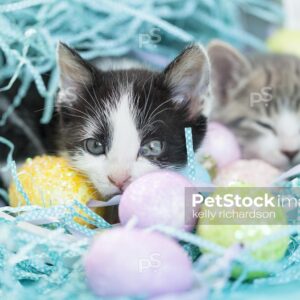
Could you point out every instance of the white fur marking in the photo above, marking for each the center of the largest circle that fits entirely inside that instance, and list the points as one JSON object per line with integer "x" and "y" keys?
{"x": 125, "y": 139}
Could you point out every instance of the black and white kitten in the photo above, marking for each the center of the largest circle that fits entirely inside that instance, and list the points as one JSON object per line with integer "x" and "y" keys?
{"x": 118, "y": 122}
{"x": 116, "y": 125}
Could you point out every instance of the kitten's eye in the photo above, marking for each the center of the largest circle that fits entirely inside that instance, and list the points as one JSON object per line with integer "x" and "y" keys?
{"x": 94, "y": 147}
{"x": 153, "y": 148}
{"x": 265, "y": 125}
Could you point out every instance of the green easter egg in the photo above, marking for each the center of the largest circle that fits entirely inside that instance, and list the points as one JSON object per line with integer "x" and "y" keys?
{"x": 214, "y": 226}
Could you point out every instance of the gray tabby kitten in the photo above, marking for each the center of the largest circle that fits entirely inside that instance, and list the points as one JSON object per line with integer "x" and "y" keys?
{"x": 258, "y": 97}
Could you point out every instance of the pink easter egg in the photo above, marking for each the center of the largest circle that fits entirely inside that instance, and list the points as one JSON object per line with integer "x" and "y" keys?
{"x": 221, "y": 144}
{"x": 124, "y": 262}
{"x": 254, "y": 172}
{"x": 158, "y": 198}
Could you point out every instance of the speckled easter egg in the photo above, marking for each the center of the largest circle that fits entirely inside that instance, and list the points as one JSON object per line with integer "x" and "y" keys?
{"x": 248, "y": 227}
{"x": 220, "y": 144}
{"x": 157, "y": 198}
{"x": 253, "y": 172}
{"x": 50, "y": 181}
{"x": 124, "y": 262}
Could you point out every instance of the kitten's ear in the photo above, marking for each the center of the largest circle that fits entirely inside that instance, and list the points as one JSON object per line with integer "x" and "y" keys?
{"x": 228, "y": 67}
{"x": 75, "y": 72}
{"x": 188, "y": 77}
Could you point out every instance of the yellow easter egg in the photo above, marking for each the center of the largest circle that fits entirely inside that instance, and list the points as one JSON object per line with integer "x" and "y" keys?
{"x": 50, "y": 181}
{"x": 285, "y": 41}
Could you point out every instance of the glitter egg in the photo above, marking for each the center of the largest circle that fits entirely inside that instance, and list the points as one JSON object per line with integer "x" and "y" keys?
{"x": 128, "y": 262}
{"x": 50, "y": 181}
{"x": 217, "y": 225}
{"x": 220, "y": 144}
{"x": 157, "y": 198}
{"x": 254, "y": 172}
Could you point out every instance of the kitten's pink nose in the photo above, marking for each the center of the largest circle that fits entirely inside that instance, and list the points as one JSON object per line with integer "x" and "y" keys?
{"x": 119, "y": 181}
{"x": 290, "y": 154}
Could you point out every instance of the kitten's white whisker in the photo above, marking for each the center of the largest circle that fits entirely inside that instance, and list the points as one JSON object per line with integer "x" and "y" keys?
{"x": 73, "y": 108}
{"x": 156, "y": 111}
{"x": 148, "y": 109}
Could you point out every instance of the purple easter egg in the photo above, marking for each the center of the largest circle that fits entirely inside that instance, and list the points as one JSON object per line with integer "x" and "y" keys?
{"x": 127, "y": 262}
{"x": 253, "y": 172}
{"x": 157, "y": 198}
{"x": 221, "y": 144}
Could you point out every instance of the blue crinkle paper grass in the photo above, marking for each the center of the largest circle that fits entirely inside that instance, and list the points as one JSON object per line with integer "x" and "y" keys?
{"x": 30, "y": 30}
{"x": 45, "y": 262}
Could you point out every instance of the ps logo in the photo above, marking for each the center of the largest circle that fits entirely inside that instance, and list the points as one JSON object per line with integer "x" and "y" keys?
{"x": 152, "y": 262}
{"x": 265, "y": 96}
{"x": 153, "y": 38}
